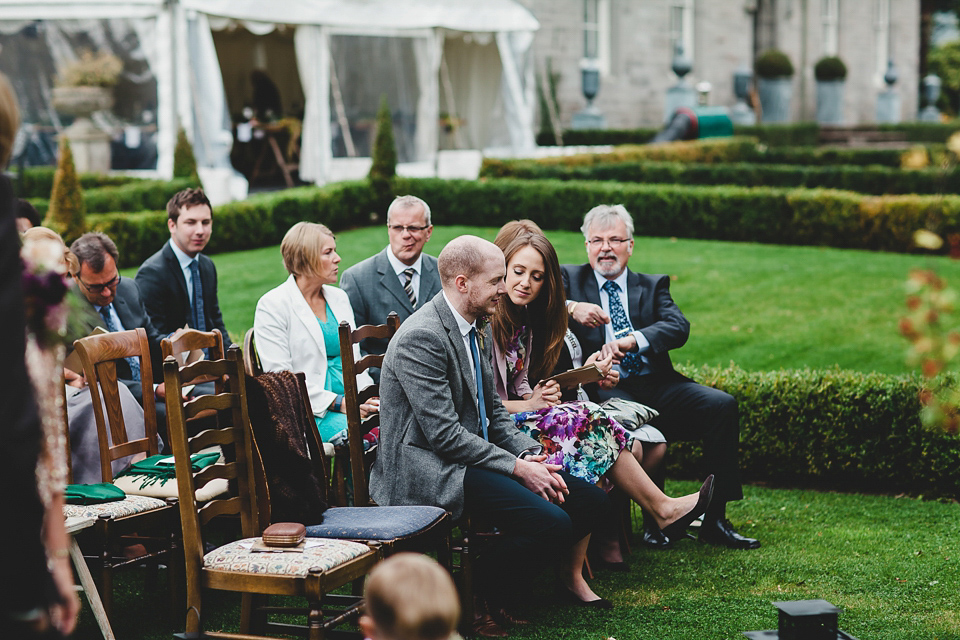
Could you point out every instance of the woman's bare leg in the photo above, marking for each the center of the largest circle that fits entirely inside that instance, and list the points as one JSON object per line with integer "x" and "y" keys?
{"x": 572, "y": 573}
{"x": 627, "y": 474}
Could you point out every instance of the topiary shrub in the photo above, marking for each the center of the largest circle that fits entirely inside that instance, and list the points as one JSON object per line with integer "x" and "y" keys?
{"x": 773, "y": 64}
{"x": 384, "y": 167}
{"x": 830, "y": 69}
{"x": 67, "y": 211}
{"x": 184, "y": 162}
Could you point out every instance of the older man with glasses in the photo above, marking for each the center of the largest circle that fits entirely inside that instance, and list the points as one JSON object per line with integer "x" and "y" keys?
{"x": 116, "y": 300}
{"x": 400, "y": 278}
{"x": 633, "y": 316}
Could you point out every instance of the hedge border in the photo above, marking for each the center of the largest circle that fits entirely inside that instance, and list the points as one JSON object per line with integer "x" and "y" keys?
{"x": 850, "y": 430}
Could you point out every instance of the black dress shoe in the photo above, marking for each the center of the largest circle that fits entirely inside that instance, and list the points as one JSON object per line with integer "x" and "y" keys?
{"x": 483, "y": 624}
{"x": 678, "y": 527}
{"x": 653, "y": 538}
{"x": 722, "y": 534}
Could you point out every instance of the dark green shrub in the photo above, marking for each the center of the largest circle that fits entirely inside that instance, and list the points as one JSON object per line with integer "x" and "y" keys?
{"x": 67, "y": 210}
{"x": 587, "y": 137}
{"x": 184, "y": 162}
{"x": 384, "y": 166}
{"x": 37, "y": 182}
{"x": 773, "y": 64}
{"x": 138, "y": 196}
{"x": 778, "y": 135}
{"x": 847, "y": 429}
{"x": 875, "y": 180}
{"x": 829, "y": 68}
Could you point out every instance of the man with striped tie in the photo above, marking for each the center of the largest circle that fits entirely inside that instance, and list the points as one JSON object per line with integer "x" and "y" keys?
{"x": 400, "y": 278}
{"x": 634, "y": 316}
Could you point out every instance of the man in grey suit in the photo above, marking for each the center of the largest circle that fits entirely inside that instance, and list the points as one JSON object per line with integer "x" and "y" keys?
{"x": 400, "y": 278}
{"x": 447, "y": 441}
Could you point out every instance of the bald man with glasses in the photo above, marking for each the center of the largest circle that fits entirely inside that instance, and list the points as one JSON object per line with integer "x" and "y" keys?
{"x": 400, "y": 278}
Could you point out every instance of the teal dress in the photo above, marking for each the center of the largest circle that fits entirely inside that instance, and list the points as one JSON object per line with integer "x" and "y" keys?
{"x": 332, "y": 422}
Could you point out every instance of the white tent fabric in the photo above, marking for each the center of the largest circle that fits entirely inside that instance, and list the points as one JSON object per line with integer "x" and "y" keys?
{"x": 180, "y": 51}
{"x": 429, "y": 23}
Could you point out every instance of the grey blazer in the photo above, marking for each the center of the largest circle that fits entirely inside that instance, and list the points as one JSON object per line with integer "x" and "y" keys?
{"x": 429, "y": 422}
{"x": 375, "y": 290}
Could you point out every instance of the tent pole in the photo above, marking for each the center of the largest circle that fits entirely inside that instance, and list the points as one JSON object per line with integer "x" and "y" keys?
{"x": 341, "y": 112}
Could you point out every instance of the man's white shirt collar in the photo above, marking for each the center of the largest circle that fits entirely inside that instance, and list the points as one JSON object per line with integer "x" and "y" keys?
{"x": 620, "y": 280}
{"x": 399, "y": 267}
{"x": 462, "y": 324}
{"x": 182, "y": 258}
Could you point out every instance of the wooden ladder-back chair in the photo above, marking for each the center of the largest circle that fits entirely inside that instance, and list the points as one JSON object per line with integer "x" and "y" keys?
{"x": 471, "y": 537}
{"x": 138, "y": 519}
{"x": 354, "y": 397}
{"x": 251, "y": 361}
{"x": 311, "y": 574}
{"x": 427, "y": 528}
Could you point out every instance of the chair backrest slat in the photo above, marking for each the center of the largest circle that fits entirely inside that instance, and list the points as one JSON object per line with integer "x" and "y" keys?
{"x": 98, "y": 354}
{"x": 353, "y": 397}
{"x": 194, "y": 406}
{"x": 191, "y": 340}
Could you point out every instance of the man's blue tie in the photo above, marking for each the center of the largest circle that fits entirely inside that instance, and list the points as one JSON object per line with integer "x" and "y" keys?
{"x": 479, "y": 375}
{"x": 199, "y": 317}
{"x": 112, "y": 328}
{"x": 631, "y": 364}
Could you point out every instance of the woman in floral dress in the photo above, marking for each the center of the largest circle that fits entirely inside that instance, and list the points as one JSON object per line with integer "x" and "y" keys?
{"x": 528, "y": 336}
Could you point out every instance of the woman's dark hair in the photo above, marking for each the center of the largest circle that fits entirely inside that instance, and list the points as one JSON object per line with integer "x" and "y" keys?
{"x": 546, "y": 316}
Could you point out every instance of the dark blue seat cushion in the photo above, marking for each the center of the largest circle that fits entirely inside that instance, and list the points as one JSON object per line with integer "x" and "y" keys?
{"x": 375, "y": 523}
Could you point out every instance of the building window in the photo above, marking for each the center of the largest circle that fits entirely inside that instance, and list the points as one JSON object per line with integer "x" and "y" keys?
{"x": 882, "y": 38}
{"x": 681, "y": 26}
{"x": 596, "y": 34}
{"x": 830, "y": 21}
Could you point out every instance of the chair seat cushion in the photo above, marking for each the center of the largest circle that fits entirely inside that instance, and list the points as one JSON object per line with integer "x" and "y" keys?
{"x": 323, "y": 554}
{"x": 126, "y": 507}
{"x": 375, "y": 523}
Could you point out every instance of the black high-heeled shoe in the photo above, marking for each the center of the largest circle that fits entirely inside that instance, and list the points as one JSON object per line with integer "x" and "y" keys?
{"x": 676, "y": 529}
{"x": 571, "y": 598}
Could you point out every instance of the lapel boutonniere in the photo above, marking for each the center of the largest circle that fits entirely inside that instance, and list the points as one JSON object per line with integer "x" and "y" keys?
{"x": 482, "y": 323}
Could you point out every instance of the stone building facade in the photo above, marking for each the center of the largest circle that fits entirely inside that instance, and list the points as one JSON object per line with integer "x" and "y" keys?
{"x": 633, "y": 41}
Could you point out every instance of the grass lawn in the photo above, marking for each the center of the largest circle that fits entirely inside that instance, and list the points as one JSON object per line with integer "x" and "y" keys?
{"x": 762, "y": 307}
{"x": 890, "y": 563}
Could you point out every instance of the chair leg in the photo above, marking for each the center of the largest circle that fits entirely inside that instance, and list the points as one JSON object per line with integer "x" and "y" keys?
{"x": 106, "y": 583}
{"x": 315, "y": 630}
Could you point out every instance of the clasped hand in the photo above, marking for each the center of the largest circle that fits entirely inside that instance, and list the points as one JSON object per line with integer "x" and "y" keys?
{"x": 545, "y": 394}
{"x": 605, "y": 363}
{"x": 541, "y": 478}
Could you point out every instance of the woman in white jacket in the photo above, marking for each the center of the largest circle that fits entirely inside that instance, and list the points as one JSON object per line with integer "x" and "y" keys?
{"x": 296, "y": 325}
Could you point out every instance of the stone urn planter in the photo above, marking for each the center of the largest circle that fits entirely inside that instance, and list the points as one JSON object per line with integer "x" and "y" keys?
{"x": 774, "y": 73}
{"x": 90, "y": 144}
{"x": 831, "y": 74}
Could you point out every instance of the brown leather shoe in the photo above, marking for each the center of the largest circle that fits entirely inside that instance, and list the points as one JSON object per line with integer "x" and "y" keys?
{"x": 484, "y": 624}
{"x": 504, "y": 617}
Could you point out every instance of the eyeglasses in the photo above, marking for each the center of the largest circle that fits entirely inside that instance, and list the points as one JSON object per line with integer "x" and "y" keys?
{"x": 613, "y": 242}
{"x": 399, "y": 228}
{"x": 98, "y": 288}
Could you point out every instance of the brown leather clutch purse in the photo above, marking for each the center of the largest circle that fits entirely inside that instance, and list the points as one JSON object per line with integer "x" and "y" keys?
{"x": 284, "y": 534}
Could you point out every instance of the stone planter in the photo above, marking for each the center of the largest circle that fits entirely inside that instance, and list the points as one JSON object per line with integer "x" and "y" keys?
{"x": 830, "y": 101}
{"x": 90, "y": 145}
{"x": 775, "y": 94}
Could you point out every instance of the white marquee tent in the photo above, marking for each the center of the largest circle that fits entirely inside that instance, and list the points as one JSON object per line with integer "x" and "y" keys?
{"x": 469, "y": 56}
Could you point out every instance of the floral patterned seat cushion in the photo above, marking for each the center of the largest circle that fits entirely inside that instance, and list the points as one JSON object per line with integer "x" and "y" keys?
{"x": 126, "y": 507}
{"x": 375, "y": 523}
{"x": 321, "y": 553}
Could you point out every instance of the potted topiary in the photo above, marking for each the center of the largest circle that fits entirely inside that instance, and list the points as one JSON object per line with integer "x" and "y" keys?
{"x": 774, "y": 73}
{"x": 831, "y": 74}
{"x": 83, "y": 88}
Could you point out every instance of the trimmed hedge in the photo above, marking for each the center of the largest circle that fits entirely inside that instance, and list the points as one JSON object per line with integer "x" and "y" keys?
{"x": 873, "y": 180}
{"x": 851, "y": 430}
{"x": 762, "y": 214}
{"x": 259, "y": 221}
{"x": 800, "y": 133}
{"x": 38, "y": 182}
{"x": 136, "y": 196}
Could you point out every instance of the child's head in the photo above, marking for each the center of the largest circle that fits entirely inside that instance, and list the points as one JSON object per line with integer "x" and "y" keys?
{"x": 410, "y": 597}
